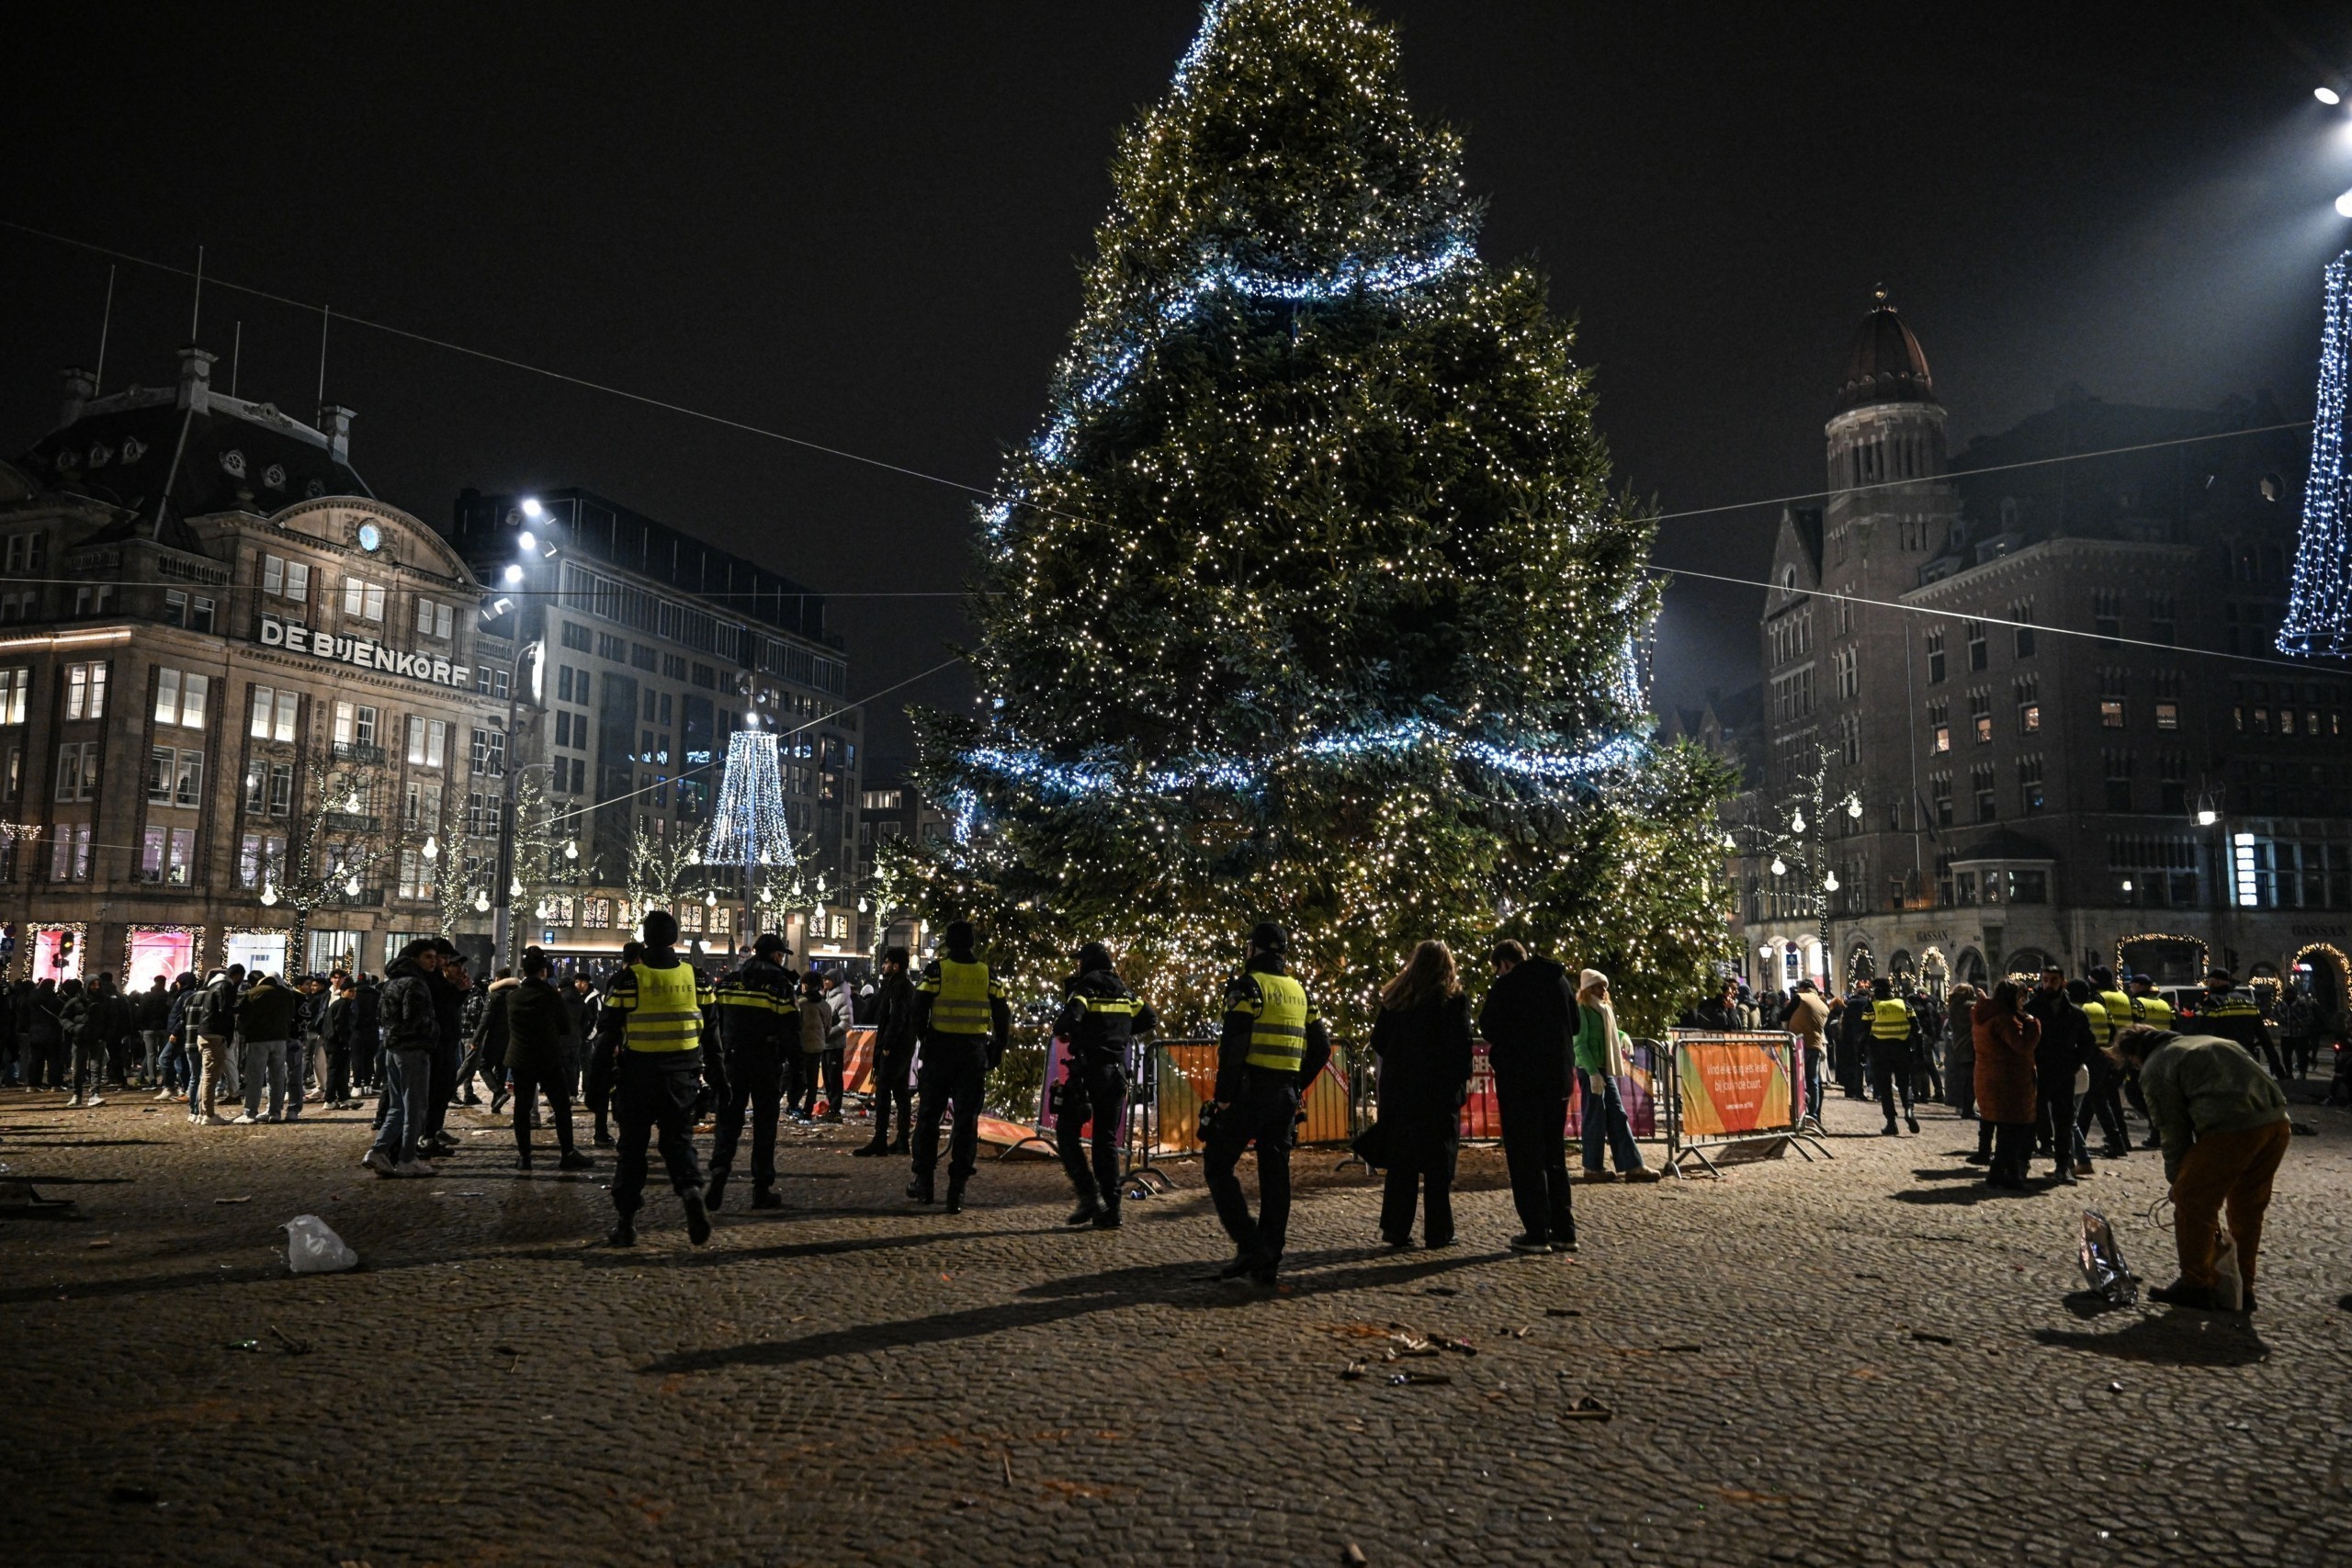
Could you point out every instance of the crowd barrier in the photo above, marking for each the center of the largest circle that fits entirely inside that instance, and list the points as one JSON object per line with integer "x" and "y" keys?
{"x": 1728, "y": 1087}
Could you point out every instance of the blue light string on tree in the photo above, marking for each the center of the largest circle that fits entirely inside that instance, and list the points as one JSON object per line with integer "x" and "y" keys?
{"x": 748, "y": 825}
{"x": 2319, "y": 609}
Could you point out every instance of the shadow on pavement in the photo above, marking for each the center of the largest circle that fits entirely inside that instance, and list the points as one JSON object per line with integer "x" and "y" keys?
{"x": 2179, "y": 1338}
{"x": 2088, "y": 1305}
{"x": 1963, "y": 1197}
{"x": 1941, "y": 1173}
{"x": 597, "y": 1257}
{"x": 1053, "y": 1301}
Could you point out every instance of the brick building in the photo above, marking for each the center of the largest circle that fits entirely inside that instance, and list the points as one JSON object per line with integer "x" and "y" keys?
{"x": 1996, "y": 657}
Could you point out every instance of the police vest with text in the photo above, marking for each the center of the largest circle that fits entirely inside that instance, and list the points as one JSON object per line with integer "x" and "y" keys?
{"x": 1278, "y": 1024}
{"x": 664, "y": 1012}
{"x": 960, "y": 994}
{"x": 1889, "y": 1020}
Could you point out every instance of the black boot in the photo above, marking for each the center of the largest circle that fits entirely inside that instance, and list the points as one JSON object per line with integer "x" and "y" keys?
{"x": 717, "y": 1195}
{"x": 899, "y": 1145}
{"x": 1108, "y": 1220}
{"x": 876, "y": 1145}
{"x": 573, "y": 1160}
{"x": 920, "y": 1189}
{"x": 955, "y": 1205}
{"x": 1088, "y": 1206}
{"x": 697, "y": 1219}
{"x": 766, "y": 1197}
{"x": 624, "y": 1233}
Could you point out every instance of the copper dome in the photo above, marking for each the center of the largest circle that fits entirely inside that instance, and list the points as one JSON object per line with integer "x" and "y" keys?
{"x": 1886, "y": 363}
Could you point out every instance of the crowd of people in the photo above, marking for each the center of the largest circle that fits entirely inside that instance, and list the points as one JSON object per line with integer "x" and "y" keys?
{"x": 2037, "y": 1066}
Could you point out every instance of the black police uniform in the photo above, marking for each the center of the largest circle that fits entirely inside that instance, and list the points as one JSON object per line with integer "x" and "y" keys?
{"x": 653, "y": 1018}
{"x": 965, "y": 1025}
{"x": 756, "y": 1009}
{"x": 1257, "y": 1092}
{"x": 1099, "y": 1018}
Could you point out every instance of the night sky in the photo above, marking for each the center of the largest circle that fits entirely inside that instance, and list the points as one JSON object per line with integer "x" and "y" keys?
{"x": 860, "y": 225}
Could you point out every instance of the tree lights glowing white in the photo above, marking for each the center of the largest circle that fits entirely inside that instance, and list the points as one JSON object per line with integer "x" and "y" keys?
{"x": 2319, "y": 609}
{"x": 1310, "y": 601}
{"x": 749, "y": 826}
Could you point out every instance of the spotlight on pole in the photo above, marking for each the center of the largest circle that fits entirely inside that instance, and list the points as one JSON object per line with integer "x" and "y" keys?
{"x": 532, "y": 509}
{"x": 513, "y": 574}
{"x": 2327, "y": 95}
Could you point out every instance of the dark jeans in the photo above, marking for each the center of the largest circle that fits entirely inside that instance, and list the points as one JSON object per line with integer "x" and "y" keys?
{"x": 2012, "y": 1152}
{"x": 90, "y": 1065}
{"x": 600, "y": 1081}
{"x": 754, "y": 1079}
{"x": 805, "y": 1071}
{"x": 406, "y": 1073}
{"x": 445, "y": 1087}
{"x": 2105, "y": 1101}
{"x": 893, "y": 1083}
{"x": 1426, "y": 1172}
{"x": 1605, "y": 1125}
{"x": 2054, "y": 1120}
{"x": 1095, "y": 1091}
{"x": 956, "y": 1073}
{"x": 1535, "y": 1148}
{"x": 527, "y": 1087}
{"x": 1961, "y": 1077}
{"x": 1264, "y": 1114}
{"x": 1891, "y": 1077}
{"x": 649, "y": 1094}
{"x": 1814, "y": 1061}
{"x": 338, "y": 1085}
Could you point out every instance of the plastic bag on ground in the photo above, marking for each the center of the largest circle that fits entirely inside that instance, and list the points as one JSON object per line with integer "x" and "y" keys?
{"x": 312, "y": 1248}
{"x": 2102, "y": 1260}
{"x": 2229, "y": 1284}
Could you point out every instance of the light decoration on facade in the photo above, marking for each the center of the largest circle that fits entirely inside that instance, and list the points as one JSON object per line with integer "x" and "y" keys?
{"x": 2319, "y": 607}
{"x": 749, "y": 826}
{"x": 2137, "y": 938}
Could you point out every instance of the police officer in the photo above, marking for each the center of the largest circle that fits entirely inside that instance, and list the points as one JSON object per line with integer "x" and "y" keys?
{"x": 962, "y": 1019}
{"x": 2110, "y": 1012}
{"x": 1099, "y": 1017}
{"x": 1274, "y": 1044}
{"x": 2233, "y": 1014}
{"x": 754, "y": 1009}
{"x": 653, "y": 1016}
{"x": 1892, "y": 1030}
{"x": 2152, "y": 1009}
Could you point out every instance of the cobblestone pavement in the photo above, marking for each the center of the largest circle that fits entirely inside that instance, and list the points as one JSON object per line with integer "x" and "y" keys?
{"x": 1863, "y": 1361}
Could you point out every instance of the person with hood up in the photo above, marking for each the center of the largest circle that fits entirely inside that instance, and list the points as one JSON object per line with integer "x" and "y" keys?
{"x": 211, "y": 1016}
{"x": 78, "y": 1019}
{"x": 1530, "y": 1024}
{"x": 411, "y": 1036}
{"x": 536, "y": 1029}
{"x": 1099, "y": 1018}
{"x": 1601, "y": 1063}
{"x": 266, "y": 1018}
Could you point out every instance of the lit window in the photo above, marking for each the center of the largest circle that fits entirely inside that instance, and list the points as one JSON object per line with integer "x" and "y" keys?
{"x": 85, "y": 691}
{"x": 2110, "y": 714}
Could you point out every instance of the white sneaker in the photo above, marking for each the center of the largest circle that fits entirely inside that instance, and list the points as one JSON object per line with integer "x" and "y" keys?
{"x": 247, "y": 1120}
{"x": 93, "y": 1103}
{"x": 414, "y": 1167}
{"x": 163, "y": 1094}
{"x": 379, "y": 1162}
{"x": 212, "y": 1119}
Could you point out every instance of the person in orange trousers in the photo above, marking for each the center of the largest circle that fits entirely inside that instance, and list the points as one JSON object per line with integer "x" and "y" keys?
{"x": 2223, "y": 1120}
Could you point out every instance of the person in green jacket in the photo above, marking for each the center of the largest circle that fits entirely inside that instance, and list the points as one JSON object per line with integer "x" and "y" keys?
{"x": 1601, "y": 1062}
{"x": 2222, "y": 1122}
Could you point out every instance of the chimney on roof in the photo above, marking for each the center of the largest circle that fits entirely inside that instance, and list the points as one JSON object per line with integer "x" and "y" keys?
{"x": 76, "y": 387}
{"x": 335, "y": 423}
{"x": 195, "y": 380}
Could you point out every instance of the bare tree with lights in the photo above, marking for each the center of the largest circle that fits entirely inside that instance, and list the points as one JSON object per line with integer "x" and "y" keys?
{"x": 1311, "y": 600}
{"x": 341, "y": 838}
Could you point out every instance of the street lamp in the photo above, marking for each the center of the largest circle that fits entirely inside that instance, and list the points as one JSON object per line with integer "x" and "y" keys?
{"x": 2327, "y": 95}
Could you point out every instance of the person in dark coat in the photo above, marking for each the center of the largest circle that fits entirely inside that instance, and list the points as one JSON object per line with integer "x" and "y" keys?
{"x": 2007, "y": 1040}
{"x": 1720, "y": 1013}
{"x": 2066, "y": 1046}
{"x": 366, "y": 1032}
{"x": 1421, "y": 1036}
{"x": 536, "y": 1029}
{"x": 78, "y": 1020}
{"x": 1530, "y": 1025}
{"x": 45, "y": 1060}
{"x": 894, "y": 1055}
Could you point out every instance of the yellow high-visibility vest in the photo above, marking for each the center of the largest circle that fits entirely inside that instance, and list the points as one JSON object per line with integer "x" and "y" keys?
{"x": 2153, "y": 1009}
{"x": 1278, "y": 1024}
{"x": 2119, "y": 1013}
{"x": 960, "y": 995}
{"x": 664, "y": 1011}
{"x": 1889, "y": 1020}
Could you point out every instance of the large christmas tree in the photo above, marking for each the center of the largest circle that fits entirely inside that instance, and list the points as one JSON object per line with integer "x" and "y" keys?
{"x": 1311, "y": 601}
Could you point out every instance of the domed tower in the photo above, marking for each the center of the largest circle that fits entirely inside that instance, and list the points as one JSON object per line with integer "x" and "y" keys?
{"x": 1886, "y": 449}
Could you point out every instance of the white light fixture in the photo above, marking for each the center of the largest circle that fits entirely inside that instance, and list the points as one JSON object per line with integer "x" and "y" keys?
{"x": 2127, "y": 884}
{"x": 1780, "y": 866}
{"x": 351, "y": 884}
{"x": 1796, "y": 823}
{"x": 432, "y": 848}
{"x": 482, "y": 900}
{"x": 514, "y": 575}
{"x": 2327, "y": 95}
{"x": 1730, "y": 842}
{"x": 571, "y": 848}
{"x": 710, "y": 900}
{"x": 268, "y": 895}
{"x": 1829, "y": 882}
{"x": 514, "y": 889}
{"x": 532, "y": 509}
{"x": 2344, "y": 204}
{"x": 861, "y": 905}
{"x": 1854, "y": 807}
{"x": 2207, "y": 817}
{"x": 527, "y": 538}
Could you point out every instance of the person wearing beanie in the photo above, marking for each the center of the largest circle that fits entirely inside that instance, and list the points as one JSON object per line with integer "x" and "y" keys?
{"x": 1099, "y": 1018}
{"x": 1272, "y": 1046}
{"x": 1601, "y": 1063}
{"x": 965, "y": 1025}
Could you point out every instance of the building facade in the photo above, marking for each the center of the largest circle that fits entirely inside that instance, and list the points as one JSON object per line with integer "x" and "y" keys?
{"x": 1989, "y": 690}
{"x": 242, "y": 710}
{"x": 638, "y": 651}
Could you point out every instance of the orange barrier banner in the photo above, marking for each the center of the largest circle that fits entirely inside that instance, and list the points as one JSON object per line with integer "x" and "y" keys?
{"x": 1733, "y": 1083}
{"x": 1186, "y": 1079}
{"x": 857, "y": 1062}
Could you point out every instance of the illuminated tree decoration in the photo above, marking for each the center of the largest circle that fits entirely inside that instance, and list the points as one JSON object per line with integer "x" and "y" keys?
{"x": 2319, "y": 610}
{"x": 749, "y": 826}
{"x": 1309, "y": 601}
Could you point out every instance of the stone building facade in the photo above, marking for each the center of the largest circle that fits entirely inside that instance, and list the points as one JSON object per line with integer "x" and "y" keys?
{"x": 239, "y": 694}
{"x": 1999, "y": 665}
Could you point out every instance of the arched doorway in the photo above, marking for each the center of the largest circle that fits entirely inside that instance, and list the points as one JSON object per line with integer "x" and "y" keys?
{"x": 1968, "y": 969}
{"x": 1860, "y": 966}
{"x": 1935, "y": 973}
{"x": 2163, "y": 958}
{"x": 2326, "y": 975}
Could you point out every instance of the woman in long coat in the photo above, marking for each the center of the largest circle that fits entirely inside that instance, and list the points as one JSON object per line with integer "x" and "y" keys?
{"x": 1421, "y": 1036}
{"x": 2006, "y": 1091}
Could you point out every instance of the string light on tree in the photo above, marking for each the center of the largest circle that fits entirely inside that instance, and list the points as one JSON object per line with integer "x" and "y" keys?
{"x": 2319, "y": 607}
{"x": 1311, "y": 600}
